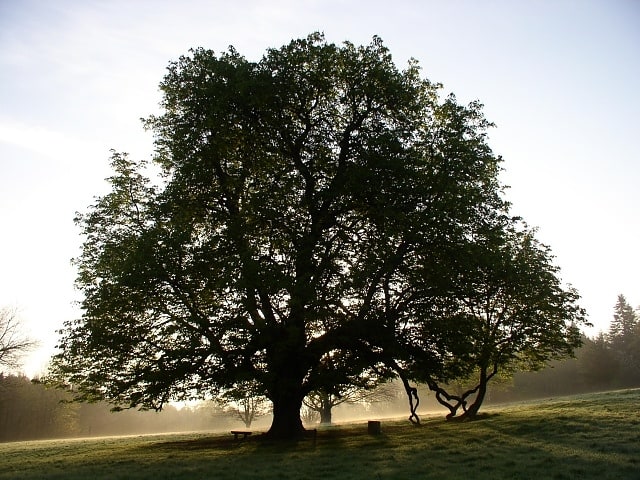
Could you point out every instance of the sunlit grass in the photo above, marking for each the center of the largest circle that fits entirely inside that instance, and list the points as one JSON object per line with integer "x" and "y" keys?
{"x": 590, "y": 436}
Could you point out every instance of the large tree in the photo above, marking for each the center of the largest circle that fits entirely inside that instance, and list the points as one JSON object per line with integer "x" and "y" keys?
{"x": 309, "y": 209}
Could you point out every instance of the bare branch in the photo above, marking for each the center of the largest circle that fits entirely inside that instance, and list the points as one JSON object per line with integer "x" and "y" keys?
{"x": 13, "y": 342}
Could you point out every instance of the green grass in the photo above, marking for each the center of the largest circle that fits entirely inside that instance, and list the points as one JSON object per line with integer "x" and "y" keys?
{"x": 588, "y": 436}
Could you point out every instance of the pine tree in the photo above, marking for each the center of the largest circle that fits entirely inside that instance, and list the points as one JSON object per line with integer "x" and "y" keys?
{"x": 623, "y": 324}
{"x": 623, "y": 331}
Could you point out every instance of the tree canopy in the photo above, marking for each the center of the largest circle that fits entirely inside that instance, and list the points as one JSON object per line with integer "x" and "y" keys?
{"x": 316, "y": 218}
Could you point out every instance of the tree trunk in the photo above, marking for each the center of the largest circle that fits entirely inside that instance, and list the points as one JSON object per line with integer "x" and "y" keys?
{"x": 472, "y": 411}
{"x": 325, "y": 414}
{"x": 286, "y": 395}
{"x": 286, "y": 359}
{"x": 286, "y": 424}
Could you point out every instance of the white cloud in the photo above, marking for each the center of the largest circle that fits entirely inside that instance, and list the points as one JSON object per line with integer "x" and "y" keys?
{"x": 44, "y": 141}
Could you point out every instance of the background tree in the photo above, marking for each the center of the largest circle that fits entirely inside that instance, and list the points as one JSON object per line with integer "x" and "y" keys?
{"x": 624, "y": 341}
{"x": 513, "y": 313}
{"x": 13, "y": 342}
{"x": 309, "y": 416}
{"x": 310, "y": 207}
{"x": 323, "y": 402}
{"x": 622, "y": 326}
{"x": 634, "y": 346}
{"x": 246, "y": 403}
{"x": 599, "y": 366}
{"x": 341, "y": 383}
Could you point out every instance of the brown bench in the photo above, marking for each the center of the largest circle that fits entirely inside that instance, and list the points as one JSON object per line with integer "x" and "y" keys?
{"x": 244, "y": 434}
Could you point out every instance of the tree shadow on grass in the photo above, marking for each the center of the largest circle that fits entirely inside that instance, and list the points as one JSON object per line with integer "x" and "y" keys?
{"x": 216, "y": 442}
{"x": 226, "y": 443}
{"x": 341, "y": 437}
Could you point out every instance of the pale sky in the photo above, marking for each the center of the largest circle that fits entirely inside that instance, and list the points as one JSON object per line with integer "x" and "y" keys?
{"x": 559, "y": 78}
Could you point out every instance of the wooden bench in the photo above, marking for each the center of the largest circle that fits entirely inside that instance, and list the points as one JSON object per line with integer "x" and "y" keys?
{"x": 244, "y": 434}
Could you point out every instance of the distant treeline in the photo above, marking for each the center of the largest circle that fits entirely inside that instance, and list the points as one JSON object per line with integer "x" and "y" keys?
{"x": 608, "y": 361}
{"x": 597, "y": 367}
{"x": 29, "y": 410}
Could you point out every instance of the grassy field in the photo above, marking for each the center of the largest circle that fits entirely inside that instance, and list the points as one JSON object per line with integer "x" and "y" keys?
{"x": 581, "y": 437}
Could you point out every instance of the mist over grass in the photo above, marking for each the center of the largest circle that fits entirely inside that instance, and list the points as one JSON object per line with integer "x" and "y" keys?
{"x": 593, "y": 436}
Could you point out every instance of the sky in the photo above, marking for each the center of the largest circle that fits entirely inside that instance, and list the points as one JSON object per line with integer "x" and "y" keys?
{"x": 559, "y": 78}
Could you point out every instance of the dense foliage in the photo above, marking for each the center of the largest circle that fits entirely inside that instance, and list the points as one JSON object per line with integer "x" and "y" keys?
{"x": 323, "y": 220}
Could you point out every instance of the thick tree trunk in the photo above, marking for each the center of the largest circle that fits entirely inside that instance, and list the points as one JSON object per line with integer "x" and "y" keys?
{"x": 286, "y": 394}
{"x": 286, "y": 424}
{"x": 288, "y": 363}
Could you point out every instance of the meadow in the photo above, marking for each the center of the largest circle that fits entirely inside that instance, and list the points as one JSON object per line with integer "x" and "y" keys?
{"x": 594, "y": 436}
